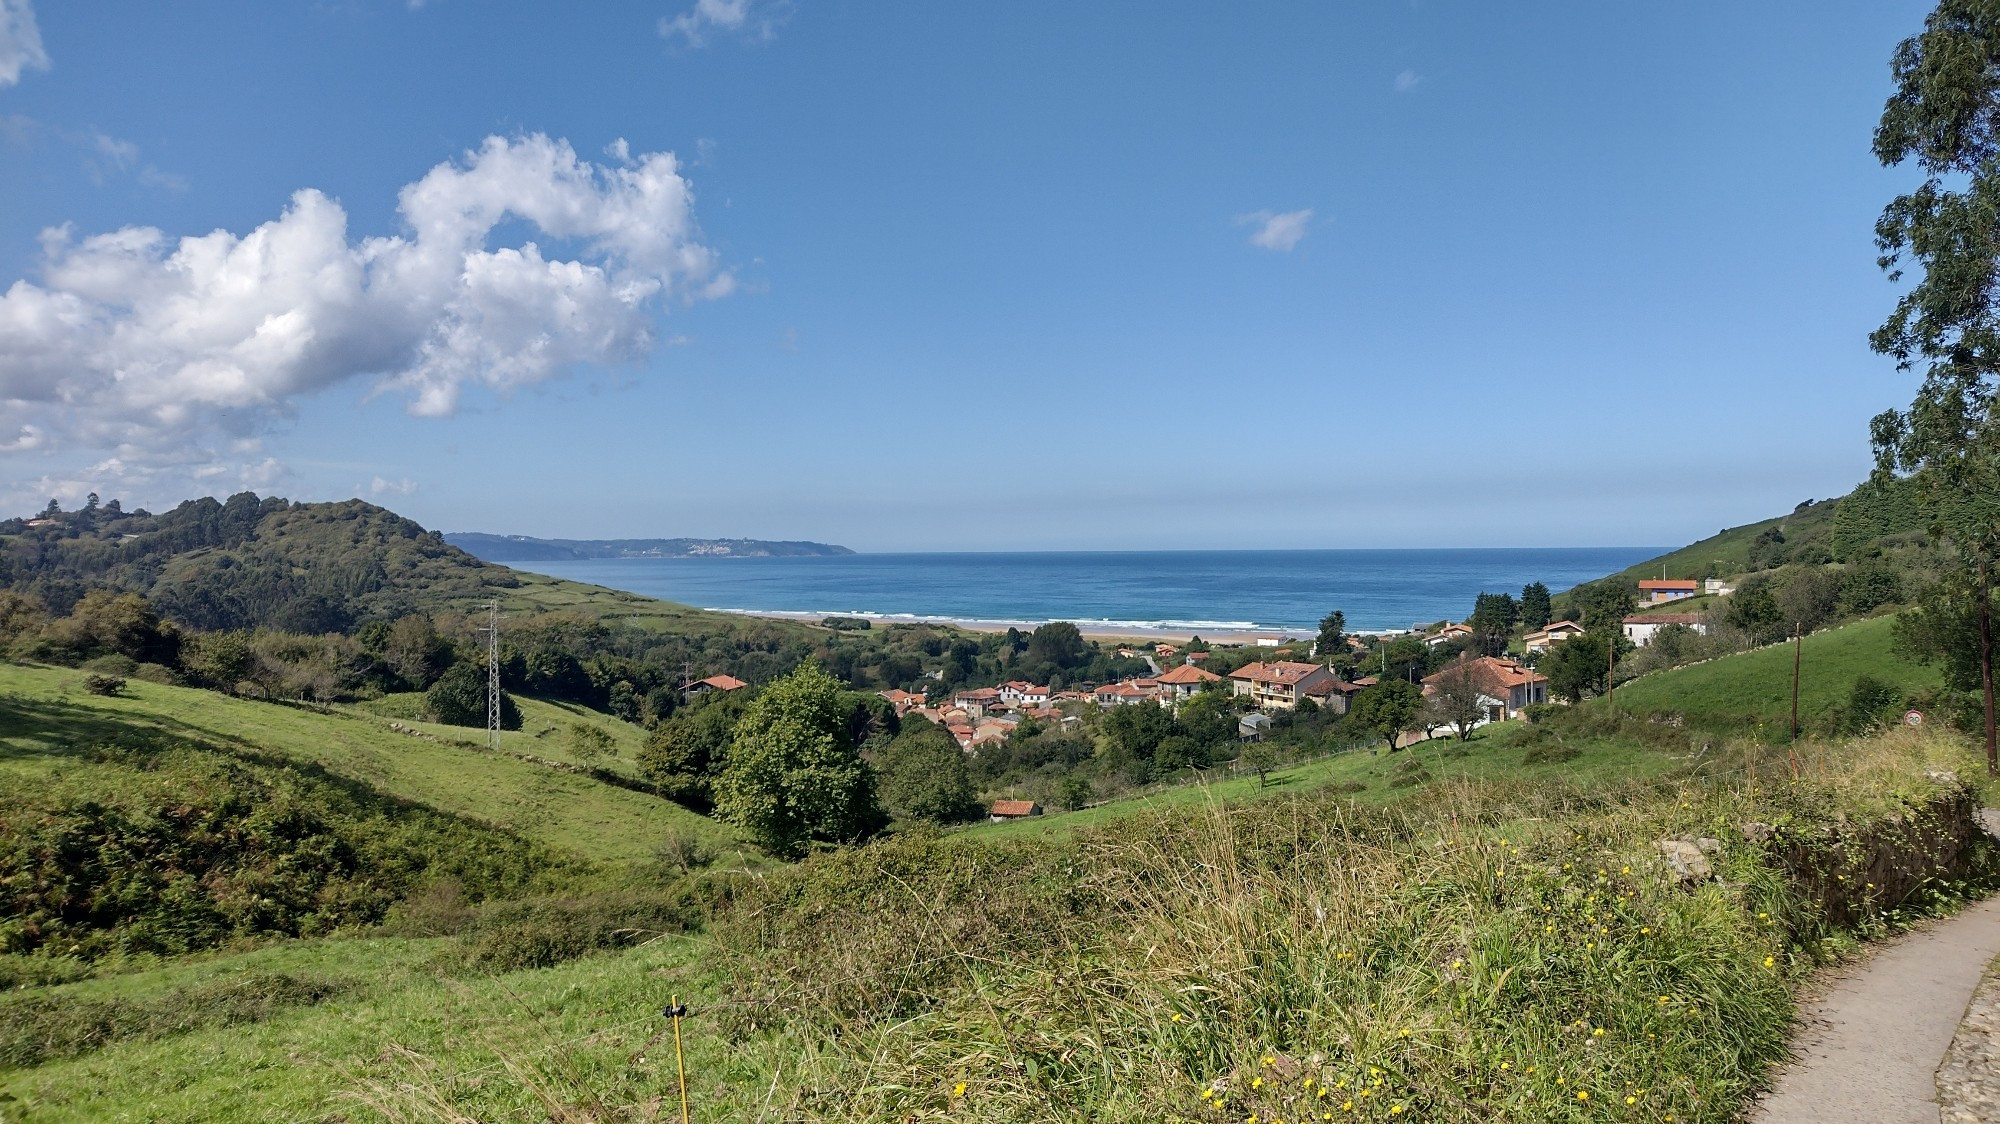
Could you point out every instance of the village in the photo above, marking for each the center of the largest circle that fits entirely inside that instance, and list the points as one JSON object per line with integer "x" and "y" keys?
{"x": 1274, "y": 680}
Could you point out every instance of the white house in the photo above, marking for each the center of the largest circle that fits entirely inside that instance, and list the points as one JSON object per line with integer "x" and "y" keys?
{"x": 1640, "y": 630}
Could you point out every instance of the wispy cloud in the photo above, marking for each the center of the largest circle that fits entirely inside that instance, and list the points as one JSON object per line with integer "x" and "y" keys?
{"x": 754, "y": 19}
{"x": 1279, "y": 231}
{"x": 20, "y": 41}
{"x": 104, "y": 157}
{"x": 1408, "y": 80}
{"x": 381, "y": 486}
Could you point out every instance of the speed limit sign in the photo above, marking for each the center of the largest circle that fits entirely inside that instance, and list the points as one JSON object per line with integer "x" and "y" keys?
{"x": 1913, "y": 718}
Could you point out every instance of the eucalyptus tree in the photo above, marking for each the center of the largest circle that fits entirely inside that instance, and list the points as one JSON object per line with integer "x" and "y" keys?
{"x": 1944, "y": 118}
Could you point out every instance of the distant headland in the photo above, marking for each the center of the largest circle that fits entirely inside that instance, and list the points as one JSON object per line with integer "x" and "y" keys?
{"x": 522, "y": 548}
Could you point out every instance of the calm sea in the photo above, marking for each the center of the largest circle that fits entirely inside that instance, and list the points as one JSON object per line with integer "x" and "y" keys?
{"x": 1196, "y": 589}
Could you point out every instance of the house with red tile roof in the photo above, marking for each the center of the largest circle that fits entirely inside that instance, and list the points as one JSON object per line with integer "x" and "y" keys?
{"x": 1505, "y": 686}
{"x": 1281, "y": 684}
{"x": 715, "y": 683}
{"x": 1654, "y": 591}
{"x": 1447, "y": 634}
{"x": 1542, "y": 639}
{"x": 1182, "y": 682}
{"x": 903, "y": 701}
{"x": 1004, "y": 810}
{"x": 1333, "y": 694}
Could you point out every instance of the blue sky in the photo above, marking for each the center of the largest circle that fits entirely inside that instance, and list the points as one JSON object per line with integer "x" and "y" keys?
{"x": 943, "y": 276}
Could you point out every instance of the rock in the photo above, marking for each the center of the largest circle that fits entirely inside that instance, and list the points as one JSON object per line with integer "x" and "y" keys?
{"x": 1689, "y": 864}
{"x": 1709, "y": 846}
{"x": 1757, "y": 832}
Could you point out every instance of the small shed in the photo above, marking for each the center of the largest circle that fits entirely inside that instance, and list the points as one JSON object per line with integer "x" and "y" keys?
{"x": 1004, "y": 810}
{"x": 1251, "y": 727}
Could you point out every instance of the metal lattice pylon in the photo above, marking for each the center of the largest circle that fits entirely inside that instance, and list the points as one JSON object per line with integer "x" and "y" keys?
{"x": 493, "y": 674}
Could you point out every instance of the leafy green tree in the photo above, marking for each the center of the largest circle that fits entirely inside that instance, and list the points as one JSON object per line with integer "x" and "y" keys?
{"x": 1580, "y": 667}
{"x": 924, "y": 777}
{"x": 1059, "y": 644}
{"x": 1332, "y": 635}
{"x": 1260, "y": 758}
{"x": 1493, "y": 617}
{"x": 554, "y": 672}
{"x": 1604, "y": 604}
{"x": 684, "y": 754}
{"x": 793, "y": 777}
{"x": 414, "y": 650}
{"x": 458, "y": 698}
{"x": 1137, "y": 729}
{"x": 221, "y": 660}
{"x": 1869, "y": 586}
{"x": 1945, "y": 116}
{"x": 1406, "y": 657}
{"x": 588, "y": 743}
{"x": 1754, "y": 609}
{"x": 1535, "y": 607}
{"x": 1387, "y": 709}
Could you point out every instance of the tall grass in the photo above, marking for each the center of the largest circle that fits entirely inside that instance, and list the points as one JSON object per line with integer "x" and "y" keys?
{"x": 1482, "y": 953}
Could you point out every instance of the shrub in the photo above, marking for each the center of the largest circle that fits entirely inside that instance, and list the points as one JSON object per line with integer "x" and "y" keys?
{"x": 1551, "y": 753}
{"x": 40, "y": 1029}
{"x": 543, "y": 932}
{"x": 109, "y": 686}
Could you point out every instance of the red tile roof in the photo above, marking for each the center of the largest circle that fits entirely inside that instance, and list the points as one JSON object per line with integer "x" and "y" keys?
{"x": 722, "y": 683}
{"x": 1284, "y": 673}
{"x": 1495, "y": 672}
{"x": 1188, "y": 673}
{"x": 1669, "y": 583}
{"x": 1015, "y": 808}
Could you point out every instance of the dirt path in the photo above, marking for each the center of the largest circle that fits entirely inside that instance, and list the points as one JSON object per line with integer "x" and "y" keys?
{"x": 1868, "y": 1050}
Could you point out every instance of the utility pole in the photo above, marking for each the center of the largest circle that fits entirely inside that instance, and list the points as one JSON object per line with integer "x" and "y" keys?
{"x": 492, "y": 631}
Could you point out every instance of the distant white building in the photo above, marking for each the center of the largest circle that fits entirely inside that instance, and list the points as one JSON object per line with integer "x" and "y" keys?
{"x": 1640, "y": 630}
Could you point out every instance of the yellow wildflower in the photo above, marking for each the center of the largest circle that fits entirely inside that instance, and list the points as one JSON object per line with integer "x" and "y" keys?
{"x": 1582, "y": 1095}
{"x": 958, "y": 1090}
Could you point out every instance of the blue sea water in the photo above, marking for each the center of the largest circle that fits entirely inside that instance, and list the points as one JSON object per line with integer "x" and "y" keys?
{"x": 1288, "y": 590}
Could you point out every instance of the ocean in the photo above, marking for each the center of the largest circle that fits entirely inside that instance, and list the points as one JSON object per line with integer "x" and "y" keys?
{"x": 1191, "y": 590}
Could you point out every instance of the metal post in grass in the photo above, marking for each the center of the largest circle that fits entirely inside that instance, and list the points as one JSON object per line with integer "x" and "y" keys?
{"x": 676, "y": 1011}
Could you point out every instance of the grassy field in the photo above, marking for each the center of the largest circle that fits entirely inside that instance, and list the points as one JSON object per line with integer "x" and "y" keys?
{"x": 400, "y": 1023}
{"x": 1371, "y": 777}
{"x": 1437, "y": 942}
{"x": 45, "y": 715}
{"x": 1756, "y": 687}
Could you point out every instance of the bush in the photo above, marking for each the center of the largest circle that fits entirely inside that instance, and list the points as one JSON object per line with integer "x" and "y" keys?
{"x": 458, "y": 698}
{"x": 232, "y": 849}
{"x": 40, "y": 1029}
{"x": 1551, "y": 753}
{"x": 544, "y": 932}
{"x": 109, "y": 686}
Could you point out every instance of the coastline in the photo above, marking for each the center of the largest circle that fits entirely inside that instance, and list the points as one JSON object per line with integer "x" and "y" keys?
{"x": 1222, "y": 632}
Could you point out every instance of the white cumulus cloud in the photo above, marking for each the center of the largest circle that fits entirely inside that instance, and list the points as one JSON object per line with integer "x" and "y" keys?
{"x": 151, "y": 346}
{"x": 1278, "y": 231}
{"x": 382, "y": 486}
{"x": 755, "y": 18}
{"x": 20, "y": 41}
{"x": 1408, "y": 80}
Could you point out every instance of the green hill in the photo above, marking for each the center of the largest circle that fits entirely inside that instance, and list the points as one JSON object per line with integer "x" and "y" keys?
{"x": 1829, "y": 530}
{"x": 1754, "y": 687}
{"x": 46, "y": 719}
{"x": 254, "y": 562}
